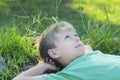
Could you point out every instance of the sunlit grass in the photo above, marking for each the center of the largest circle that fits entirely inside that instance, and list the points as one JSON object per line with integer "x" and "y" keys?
{"x": 2, "y": 3}
{"x": 96, "y": 9}
{"x": 15, "y": 49}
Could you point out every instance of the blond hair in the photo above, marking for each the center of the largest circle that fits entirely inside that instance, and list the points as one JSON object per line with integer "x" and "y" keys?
{"x": 49, "y": 37}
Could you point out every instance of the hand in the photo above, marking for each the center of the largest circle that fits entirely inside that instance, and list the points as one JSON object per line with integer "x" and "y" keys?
{"x": 88, "y": 48}
{"x": 49, "y": 61}
{"x": 49, "y": 64}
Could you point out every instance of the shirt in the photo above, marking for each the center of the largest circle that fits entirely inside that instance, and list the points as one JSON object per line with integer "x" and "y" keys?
{"x": 91, "y": 66}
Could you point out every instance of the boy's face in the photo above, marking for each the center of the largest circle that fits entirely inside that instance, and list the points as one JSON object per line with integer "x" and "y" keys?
{"x": 69, "y": 45}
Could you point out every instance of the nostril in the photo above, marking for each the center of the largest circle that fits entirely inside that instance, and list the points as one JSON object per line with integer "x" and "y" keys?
{"x": 77, "y": 39}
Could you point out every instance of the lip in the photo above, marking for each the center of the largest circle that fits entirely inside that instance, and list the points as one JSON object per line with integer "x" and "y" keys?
{"x": 78, "y": 45}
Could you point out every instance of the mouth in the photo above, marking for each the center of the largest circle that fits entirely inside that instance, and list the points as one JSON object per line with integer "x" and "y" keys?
{"x": 78, "y": 46}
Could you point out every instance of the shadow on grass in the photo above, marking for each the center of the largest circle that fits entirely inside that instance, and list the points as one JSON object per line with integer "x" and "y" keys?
{"x": 48, "y": 8}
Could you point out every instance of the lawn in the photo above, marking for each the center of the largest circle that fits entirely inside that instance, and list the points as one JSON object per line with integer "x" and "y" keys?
{"x": 97, "y": 23}
{"x": 96, "y": 9}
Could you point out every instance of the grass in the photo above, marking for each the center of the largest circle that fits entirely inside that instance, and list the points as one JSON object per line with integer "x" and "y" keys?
{"x": 96, "y": 9}
{"x": 20, "y": 23}
{"x": 16, "y": 50}
{"x": 102, "y": 38}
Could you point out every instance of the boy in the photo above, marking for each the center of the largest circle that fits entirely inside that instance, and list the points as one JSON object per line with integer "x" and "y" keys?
{"x": 60, "y": 46}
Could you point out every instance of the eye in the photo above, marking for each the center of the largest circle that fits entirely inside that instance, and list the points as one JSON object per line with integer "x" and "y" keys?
{"x": 67, "y": 36}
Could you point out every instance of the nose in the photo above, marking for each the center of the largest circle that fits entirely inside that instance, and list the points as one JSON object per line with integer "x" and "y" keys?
{"x": 77, "y": 39}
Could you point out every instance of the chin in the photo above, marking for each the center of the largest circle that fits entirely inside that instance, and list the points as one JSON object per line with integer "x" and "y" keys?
{"x": 82, "y": 52}
{"x": 80, "y": 55}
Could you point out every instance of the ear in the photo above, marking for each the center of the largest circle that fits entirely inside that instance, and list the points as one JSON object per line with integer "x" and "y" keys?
{"x": 53, "y": 54}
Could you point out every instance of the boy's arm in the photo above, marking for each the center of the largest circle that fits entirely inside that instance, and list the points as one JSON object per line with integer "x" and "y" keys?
{"x": 35, "y": 72}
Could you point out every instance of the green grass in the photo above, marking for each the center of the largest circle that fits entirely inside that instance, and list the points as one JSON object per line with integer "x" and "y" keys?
{"x": 96, "y": 9}
{"x": 16, "y": 50}
{"x": 28, "y": 19}
{"x": 102, "y": 38}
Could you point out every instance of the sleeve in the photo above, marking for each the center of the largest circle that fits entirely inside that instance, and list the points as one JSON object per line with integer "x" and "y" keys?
{"x": 61, "y": 76}
{"x": 56, "y": 76}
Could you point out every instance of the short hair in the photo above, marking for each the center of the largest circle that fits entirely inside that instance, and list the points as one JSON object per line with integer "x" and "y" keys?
{"x": 49, "y": 37}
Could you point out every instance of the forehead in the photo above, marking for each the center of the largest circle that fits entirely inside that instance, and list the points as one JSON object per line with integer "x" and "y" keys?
{"x": 68, "y": 32}
{"x": 64, "y": 33}
{"x": 66, "y": 29}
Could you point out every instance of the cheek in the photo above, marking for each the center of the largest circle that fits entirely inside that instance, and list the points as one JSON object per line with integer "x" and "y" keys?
{"x": 67, "y": 46}
{"x": 64, "y": 48}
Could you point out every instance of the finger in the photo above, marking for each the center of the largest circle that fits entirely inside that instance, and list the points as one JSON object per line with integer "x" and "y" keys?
{"x": 43, "y": 59}
{"x": 51, "y": 62}
{"x": 46, "y": 60}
